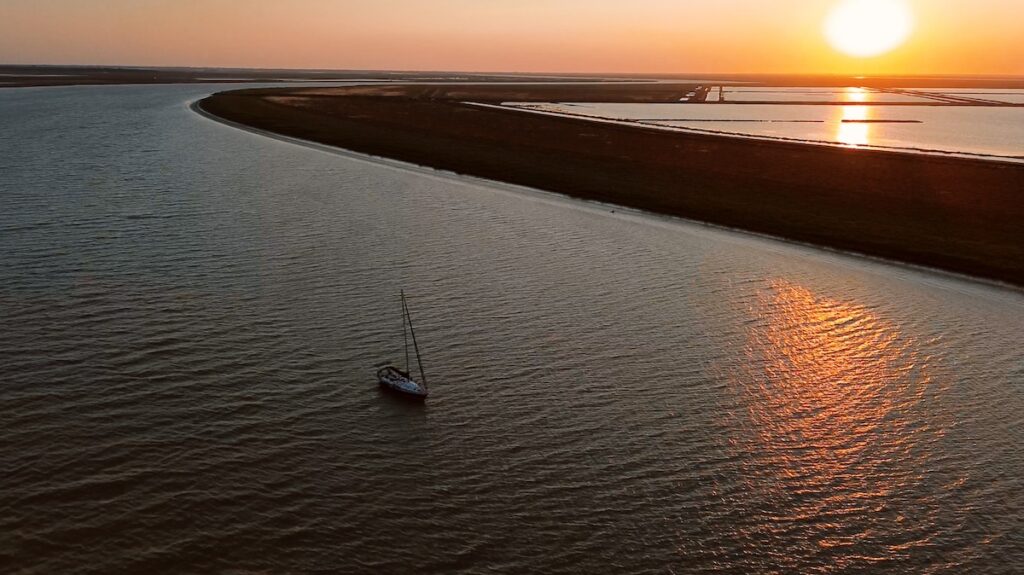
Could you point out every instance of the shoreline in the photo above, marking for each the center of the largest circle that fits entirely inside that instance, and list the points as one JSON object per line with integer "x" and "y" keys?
{"x": 952, "y": 214}
{"x": 649, "y": 124}
{"x": 537, "y": 194}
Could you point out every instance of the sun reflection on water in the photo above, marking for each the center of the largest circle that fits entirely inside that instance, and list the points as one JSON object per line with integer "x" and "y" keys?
{"x": 838, "y": 427}
{"x": 852, "y": 131}
{"x": 830, "y": 364}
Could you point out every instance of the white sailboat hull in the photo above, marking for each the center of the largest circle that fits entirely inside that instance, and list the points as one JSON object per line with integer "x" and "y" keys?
{"x": 396, "y": 380}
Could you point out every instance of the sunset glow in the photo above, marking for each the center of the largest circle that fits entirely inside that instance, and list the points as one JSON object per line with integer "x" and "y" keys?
{"x": 645, "y": 36}
{"x": 867, "y": 28}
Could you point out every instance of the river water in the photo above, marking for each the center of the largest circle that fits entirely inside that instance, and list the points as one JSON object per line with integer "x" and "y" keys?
{"x": 191, "y": 313}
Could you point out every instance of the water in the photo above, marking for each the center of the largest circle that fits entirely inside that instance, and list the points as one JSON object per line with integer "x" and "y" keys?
{"x": 850, "y": 95}
{"x": 1009, "y": 96}
{"x": 977, "y": 131}
{"x": 191, "y": 314}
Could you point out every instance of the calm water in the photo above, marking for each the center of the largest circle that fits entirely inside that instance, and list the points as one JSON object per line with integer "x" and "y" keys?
{"x": 968, "y": 130}
{"x": 851, "y": 95}
{"x": 191, "y": 314}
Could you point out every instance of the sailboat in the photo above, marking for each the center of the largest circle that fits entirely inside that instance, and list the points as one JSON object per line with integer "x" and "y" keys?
{"x": 397, "y": 380}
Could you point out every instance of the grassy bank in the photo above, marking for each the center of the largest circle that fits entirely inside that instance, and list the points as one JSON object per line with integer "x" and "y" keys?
{"x": 956, "y": 214}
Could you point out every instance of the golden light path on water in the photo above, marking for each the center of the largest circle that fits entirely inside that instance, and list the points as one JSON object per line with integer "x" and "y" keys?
{"x": 839, "y": 424}
{"x": 852, "y": 129}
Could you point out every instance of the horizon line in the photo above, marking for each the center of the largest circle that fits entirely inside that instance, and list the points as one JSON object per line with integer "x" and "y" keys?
{"x": 517, "y": 73}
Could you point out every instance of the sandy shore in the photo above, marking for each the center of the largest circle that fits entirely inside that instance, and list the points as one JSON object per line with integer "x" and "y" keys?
{"x": 956, "y": 214}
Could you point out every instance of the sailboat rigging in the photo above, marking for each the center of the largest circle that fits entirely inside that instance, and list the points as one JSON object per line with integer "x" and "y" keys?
{"x": 394, "y": 379}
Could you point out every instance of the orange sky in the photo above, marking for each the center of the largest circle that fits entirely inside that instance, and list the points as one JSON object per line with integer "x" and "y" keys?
{"x": 644, "y": 36}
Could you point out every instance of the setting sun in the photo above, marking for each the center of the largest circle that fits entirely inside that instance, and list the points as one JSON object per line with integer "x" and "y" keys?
{"x": 867, "y": 28}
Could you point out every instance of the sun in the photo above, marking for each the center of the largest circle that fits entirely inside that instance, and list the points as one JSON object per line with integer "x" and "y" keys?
{"x": 868, "y": 28}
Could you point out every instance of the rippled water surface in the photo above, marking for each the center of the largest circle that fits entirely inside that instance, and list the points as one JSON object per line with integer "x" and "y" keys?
{"x": 190, "y": 314}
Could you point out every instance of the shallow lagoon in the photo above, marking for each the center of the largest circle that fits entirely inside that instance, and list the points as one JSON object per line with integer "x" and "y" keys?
{"x": 968, "y": 130}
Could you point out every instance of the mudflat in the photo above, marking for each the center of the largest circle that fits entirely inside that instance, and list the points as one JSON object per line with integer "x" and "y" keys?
{"x": 956, "y": 214}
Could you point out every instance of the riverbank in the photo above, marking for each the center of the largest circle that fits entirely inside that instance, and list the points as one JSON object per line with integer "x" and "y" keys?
{"x": 956, "y": 214}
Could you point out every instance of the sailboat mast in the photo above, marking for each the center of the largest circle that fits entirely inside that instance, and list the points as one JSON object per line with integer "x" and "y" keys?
{"x": 405, "y": 336}
{"x": 415, "y": 346}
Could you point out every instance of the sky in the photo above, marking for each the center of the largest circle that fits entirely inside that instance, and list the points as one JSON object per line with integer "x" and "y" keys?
{"x": 590, "y": 36}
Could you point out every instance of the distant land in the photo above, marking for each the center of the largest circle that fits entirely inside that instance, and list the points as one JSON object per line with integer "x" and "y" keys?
{"x": 27, "y": 76}
{"x": 17, "y": 75}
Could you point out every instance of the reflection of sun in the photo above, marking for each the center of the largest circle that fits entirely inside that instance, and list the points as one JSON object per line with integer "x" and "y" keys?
{"x": 834, "y": 398}
{"x": 867, "y": 28}
{"x": 856, "y": 95}
{"x": 856, "y": 132}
